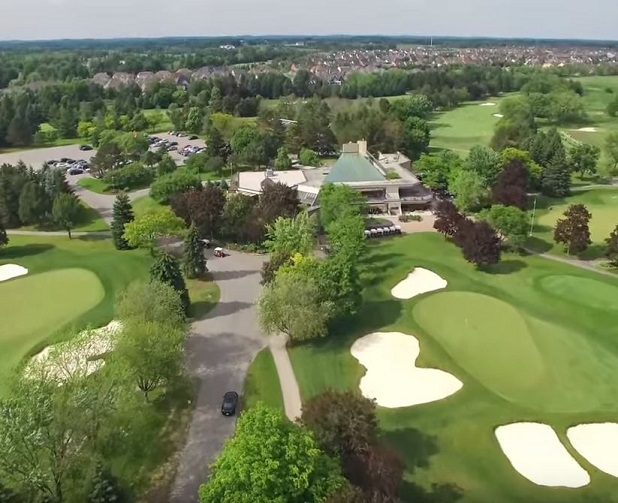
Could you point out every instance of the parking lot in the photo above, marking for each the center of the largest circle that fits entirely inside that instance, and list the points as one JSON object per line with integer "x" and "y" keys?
{"x": 36, "y": 157}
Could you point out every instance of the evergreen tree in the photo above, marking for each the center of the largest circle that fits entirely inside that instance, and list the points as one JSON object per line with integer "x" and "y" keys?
{"x": 194, "y": 263}
{"x": 105, "y": 487}
{"x": 4, "y": 238}
{"x": 556, "y": 178}
{"x": 573, "y": 231}
{"x": 31, "y": 204}
{"x": 122, "y": 215}
{"x": 611, "y": 252}
{"x": 166, "y": 270}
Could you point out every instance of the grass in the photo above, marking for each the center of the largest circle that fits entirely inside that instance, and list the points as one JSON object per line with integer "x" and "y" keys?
{"x": 75, "y": 292}
{"x": 602, "y": 203}
{"x": 463, "y": 127}
{"x": 90, "y": 221}
{"x": 531, "y": 339}
{"x": 164, "y": 125}
{"x": 141, "y": 204}
{"x": 262, "y": 382}
{"x": 71, "y": 283}
{"x": 204, "y": 295}
{"x": 94, "y": 185}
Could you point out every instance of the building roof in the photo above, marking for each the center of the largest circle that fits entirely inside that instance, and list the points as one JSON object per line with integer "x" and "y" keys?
{"x": 251, "y": 181}
{"x": 354, "y": 167}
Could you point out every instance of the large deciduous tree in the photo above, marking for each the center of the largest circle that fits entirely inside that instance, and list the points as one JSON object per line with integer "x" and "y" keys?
{"x": 337, "y": 201}
{"x": 481, "y": 245}
{"x": 202, "y": 208}
{"x": 583, "y": 159}
{"x": 611, "y": 252}
{"x": 484, "y": 161}
{"x": 277, "y": 200}
{"x": 293, "y": 304}
{"x": 194, "y": 260}
{"x": 436, "y": 169}
{"x": 469, "y": 190}
{"x": 510, "y": 222}
{"x": 448, "y": 218}
{"x": 154, "y": 223}
{"x": 573, "y": 231}
{"x": 287, "y": 236}
{"x": 4, "y": 238}
{"x": 510, "y": 188}
{"x": 168, "y": 186}
{"x": 271, "y": 459}
{"x": 66, "y": 211}
{"x": 122, "y": 214}
{"x": 152, "y": 301}
{"x": 166, "y": 270}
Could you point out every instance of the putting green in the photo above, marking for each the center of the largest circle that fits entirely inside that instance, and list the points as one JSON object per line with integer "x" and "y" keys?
{"x": 520, "y": 358}
{"x": 584, "y": 291}
{"x": 34, "y": 307}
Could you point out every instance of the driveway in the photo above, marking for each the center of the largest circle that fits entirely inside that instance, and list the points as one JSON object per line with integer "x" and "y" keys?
{"x": 219, "y": 351}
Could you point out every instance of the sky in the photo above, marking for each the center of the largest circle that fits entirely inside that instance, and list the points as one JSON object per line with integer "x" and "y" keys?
{"x": 57, "y": 19}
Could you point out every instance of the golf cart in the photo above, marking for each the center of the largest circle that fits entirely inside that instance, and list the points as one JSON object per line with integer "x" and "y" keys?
{"x": 219, "y": 252}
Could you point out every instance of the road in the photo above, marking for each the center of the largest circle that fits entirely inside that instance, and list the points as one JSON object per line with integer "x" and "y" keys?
{"x": 219, "y": 351}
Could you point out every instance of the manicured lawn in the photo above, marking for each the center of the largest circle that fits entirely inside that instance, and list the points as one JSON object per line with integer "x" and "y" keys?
{"x": 90, "y": 221}
{"x": 262, "y": 382}
{"x": 602, "y": 203}
{"x": 94, "y": 185}
{"x": 142, "y": 204}
{"x": 70, "y": 283}
{"x": 204, "y": 295}
{"x": 36, "y": 305}
{"x": 531, "y": 339}
{"x": 463, "y": 127}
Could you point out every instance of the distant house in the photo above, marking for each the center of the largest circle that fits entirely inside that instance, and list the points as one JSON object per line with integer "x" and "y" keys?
{"x": 144, "y": 79}
{"x": 162, "y": 75}
{"x": 101, "y": 79}
{"x": 120, "y": 79}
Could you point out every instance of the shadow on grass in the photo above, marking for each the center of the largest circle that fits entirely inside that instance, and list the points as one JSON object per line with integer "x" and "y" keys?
{"x": 415, "y": 446}
{"x": 24, "y": 251}
{"x": 593, "y": 252}
{"x": 538, "y": 245}
{"x": 506, "y": 267}
{"x": 439, "y": 493}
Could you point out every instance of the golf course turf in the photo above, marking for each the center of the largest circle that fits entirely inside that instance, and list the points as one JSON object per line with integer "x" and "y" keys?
{"x": 530, "y": 352}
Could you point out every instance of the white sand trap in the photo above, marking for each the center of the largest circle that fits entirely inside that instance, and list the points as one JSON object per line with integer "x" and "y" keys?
{"x": 487, "y": 104}
{"x": 10, "y": 271}
{"x": 62, "y": 361}
{"x": 419, "y": 281}
{"x": 588, "y": 129}
{"x": 598, "y": 443}
{"x": 536, "y": 452}
{"x": 498, "y": 115}
{"x": 392, "y": 378}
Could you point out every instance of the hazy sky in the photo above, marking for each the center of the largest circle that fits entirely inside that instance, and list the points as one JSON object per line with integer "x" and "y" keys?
{"x": 52, "y": 19}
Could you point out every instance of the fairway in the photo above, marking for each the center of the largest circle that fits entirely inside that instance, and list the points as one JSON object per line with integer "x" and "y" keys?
{"x": 32, "y": 307}
{"x": 463, "y": 127}
{"x": 531, "y": 339}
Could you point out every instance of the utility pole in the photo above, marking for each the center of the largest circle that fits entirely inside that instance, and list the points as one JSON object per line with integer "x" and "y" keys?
{"x": 532, "y": 218}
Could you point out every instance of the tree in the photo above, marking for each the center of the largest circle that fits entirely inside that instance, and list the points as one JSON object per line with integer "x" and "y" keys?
{"x": 612, "y": 107}
{"x": 283, "y": 161}
{"x": 448, "y": 218}
{"x": 166, "y": 165}
{"x": 293, "y": 304}
{"x": 4, "y": 238}
{"x": 511, "y": 185}
{"x": 308, "y": 157}
{"x": 194, "y": 121}
{"x": 236, "y": 216}
{"x": 108, "y": 156}
{"x": 556, "y": 178}
{"x": 201, "y": 208}
{"x": 270, "y": 267}
{"x": 573, "y": 231}
{"x": 250, "y": 468}
{"x": 415, "y": 137}
{"x": 287, "y": 236}
{"x": 339, "y": 200}
{"x": 151, "y": 352}
{"x": 154, "y": 223}
{"x": 436, "y": 169}
{"x": 485, "y": 162}
{"x": 611, "y": 252}
{"x": 481, "y": 245}
{"x": 154, "y": 118}
{"x": 194, "y": 260}
{"x": 167, "y": 186}
{"x": 469, "y": 189}
{"x": 509, "y": 221}
{"x": 583, "y": 159}
{"x": 215, "y": 147}
{"x": 277, "y": 200}
{"x": 66, "y": 211}
{"x": 611, "y": 149}
{"x": 166, "y": 270}
{"x": 122, "y": 214}
{"x": 151, "y": 301}
{"x": 532, "y": 168}
{"x": 32, "y": 203}
{"x": 105, "y": 487}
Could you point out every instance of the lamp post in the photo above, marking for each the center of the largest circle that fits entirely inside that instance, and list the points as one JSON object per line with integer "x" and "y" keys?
{"x": 532, "y": 217}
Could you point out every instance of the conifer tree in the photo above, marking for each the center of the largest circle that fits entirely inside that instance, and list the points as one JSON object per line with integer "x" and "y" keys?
{"x": 166, "y": 269}
{"x": 122, "y": 215}
{"x": 194, "y": 261}
{"x": 105, "y": 487}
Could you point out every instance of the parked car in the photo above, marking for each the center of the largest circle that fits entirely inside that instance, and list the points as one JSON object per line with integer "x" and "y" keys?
{"x": 230, "y": 403}
{"x": 75, "y": 171}
{"x": 85, "y": 147}
{"x": 173, "y": 143}
{"x": 171, "y": 148}
{"x": 68, "y": 160}
{"x": 193, "y": 137}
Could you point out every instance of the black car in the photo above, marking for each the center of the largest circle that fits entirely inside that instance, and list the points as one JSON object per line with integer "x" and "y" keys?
{"x": 85, "y": 147}
{"x": 230, "y": 402}
{"x": 67, "y": 160}
{"x": 193, "y": 137}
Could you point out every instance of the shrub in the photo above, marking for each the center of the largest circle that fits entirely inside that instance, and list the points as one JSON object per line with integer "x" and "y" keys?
{"x": 133, "y": 176}
{"x": 167, "y": 186}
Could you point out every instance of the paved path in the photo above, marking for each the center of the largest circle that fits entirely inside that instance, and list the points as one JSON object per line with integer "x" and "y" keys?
{"x": 287, "y": 380}
{"x": 104, "y": 234}
{"x": 219, "y": 352}
{"x": 582, "y": 264}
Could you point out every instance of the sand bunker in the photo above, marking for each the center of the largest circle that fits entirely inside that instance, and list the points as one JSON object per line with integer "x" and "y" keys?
{"x": 77, "y": 356}
{"x": 598, "y": 443}
{"x": 392, "y": 378}
{"x": 419, "y": 281}
{"x": 488, "y": 104}
{"x": 498, "y": 115}
{"x": 588, "y": 129}
{"x": 536, "y": 452}
{"x": 10, "y": 271}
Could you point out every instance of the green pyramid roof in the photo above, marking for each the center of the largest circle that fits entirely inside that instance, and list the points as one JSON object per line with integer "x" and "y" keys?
{"x": 353, "y": 167}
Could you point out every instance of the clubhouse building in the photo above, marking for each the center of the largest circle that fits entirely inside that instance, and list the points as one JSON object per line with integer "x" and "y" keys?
{"x": 386, "y": 180}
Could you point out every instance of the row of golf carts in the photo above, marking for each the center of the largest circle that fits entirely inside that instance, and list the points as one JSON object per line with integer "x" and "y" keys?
{"x": 377, "y": 232}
